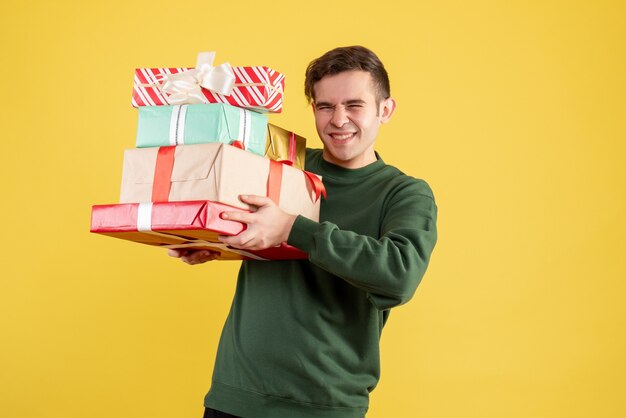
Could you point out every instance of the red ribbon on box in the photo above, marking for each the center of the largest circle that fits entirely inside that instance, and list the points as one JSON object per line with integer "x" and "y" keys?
{"x": 238, "y": 144}
{"x": 274, "y": 181}
{"x": 316, "y": 183}
{"x": 292, "y": 148}
{"x": 163, "y": 174}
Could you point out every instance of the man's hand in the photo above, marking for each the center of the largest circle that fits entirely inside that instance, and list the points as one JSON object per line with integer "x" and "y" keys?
{"x": 268, "y": 226}
{"x": 193, "y": 256}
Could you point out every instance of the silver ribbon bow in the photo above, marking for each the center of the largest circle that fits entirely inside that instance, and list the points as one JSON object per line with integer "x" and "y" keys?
{"x": 186, "y": 87}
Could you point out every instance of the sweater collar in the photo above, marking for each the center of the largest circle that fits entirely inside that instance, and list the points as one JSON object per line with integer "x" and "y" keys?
{"x": 340, "y": 173}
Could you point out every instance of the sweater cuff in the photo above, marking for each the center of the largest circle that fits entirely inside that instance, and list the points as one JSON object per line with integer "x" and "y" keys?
{"x": 301, "y": 235}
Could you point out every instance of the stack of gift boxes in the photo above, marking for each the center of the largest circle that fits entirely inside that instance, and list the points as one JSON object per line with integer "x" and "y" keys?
{"x": 203, "y": 139}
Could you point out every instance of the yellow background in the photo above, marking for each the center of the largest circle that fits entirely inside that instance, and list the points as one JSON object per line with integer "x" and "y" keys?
{"x": 513, "y": 111}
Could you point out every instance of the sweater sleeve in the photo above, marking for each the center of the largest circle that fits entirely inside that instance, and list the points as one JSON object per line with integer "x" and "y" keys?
{"x": 390, "y": 268}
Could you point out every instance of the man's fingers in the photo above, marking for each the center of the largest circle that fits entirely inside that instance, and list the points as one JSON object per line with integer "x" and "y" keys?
{"x": 255, "y": 200}
{"x": 243, "y": 217}
{"x": 200, "y": 256}
{"x": 247, "y": 217}
{"x": 191, "y": 256}
{"x": 176, "y": 253}
{"x": 241, "y": 241}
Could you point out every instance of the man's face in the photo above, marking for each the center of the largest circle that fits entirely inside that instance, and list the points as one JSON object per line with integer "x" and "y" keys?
{"x": 347, "y": 117}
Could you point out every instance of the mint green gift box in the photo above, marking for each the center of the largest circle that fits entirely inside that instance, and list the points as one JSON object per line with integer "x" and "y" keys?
{"x": 199, "y": 124}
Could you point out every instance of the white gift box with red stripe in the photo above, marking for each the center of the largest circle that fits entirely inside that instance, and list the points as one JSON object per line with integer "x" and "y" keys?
{"x": 258, "y": 88}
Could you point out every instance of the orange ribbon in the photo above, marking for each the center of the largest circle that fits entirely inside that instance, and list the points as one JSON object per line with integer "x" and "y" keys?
{"x": 163, "y": 174}
{"x": 274, "y": 181}
{"x": 238, "y": 144}
{"x": 316, "y": 184}
{"x": 292, "y": 147}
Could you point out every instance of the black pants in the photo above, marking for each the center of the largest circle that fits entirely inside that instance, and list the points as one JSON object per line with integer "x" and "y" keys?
{"x": 212, "y": 413}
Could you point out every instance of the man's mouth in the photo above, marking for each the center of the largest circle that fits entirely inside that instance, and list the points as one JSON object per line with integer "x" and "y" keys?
{"x": 342, "y": 136}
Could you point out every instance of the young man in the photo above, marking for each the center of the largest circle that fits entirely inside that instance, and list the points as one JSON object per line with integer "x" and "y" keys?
{"x": 302, "y": 337}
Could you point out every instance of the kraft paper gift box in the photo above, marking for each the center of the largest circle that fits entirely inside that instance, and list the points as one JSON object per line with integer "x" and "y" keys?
{"x": 217, "y": 172}
{"x": 187, "y": 225}
{"x": 255, "y": 87}
{"x": 205, "y": 123}
{"x": 201, "y": 123}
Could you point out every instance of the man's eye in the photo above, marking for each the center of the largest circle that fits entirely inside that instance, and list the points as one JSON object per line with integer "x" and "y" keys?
{"x": 323, "y": 107}
{"x": 352, "y": 106}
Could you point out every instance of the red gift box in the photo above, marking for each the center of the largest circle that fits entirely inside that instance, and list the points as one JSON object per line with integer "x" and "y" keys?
{"x": 190, "y": 224}
{"x": 258, "y": 88}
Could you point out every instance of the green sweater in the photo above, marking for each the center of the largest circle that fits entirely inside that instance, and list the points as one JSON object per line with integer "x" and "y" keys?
{"x": 302, "y": 337}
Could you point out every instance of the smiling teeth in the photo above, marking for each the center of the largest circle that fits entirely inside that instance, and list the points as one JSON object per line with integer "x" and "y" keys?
{"x": 342, "y": 137}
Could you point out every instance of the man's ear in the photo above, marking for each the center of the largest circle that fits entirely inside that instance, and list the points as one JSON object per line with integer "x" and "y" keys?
{"x": 387, "y": 107}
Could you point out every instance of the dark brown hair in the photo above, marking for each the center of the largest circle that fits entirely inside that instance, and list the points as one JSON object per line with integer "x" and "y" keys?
{"x": 347, "y": 58}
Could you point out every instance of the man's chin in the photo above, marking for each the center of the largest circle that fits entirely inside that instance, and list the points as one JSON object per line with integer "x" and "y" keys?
{"x": 337, "y": 158}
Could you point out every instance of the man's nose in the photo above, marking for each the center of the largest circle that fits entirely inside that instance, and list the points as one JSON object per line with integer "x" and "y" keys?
{"x": 340, "y": 117}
